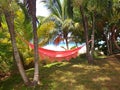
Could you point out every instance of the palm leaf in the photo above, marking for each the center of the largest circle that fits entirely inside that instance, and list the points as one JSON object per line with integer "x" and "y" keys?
{"x": 31, "y": 8}
{"x": 69, "y": 8}
{"x": 27, "y": 17}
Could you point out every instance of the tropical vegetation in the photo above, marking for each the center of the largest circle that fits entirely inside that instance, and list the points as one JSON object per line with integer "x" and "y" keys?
{"x": 94, "y": 22}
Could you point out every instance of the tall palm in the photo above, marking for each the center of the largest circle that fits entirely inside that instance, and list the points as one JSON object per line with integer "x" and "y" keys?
{"x": 61, "y": 11}
{"x": 31, "y": 6}
{"x": 87, "y": 7}
{"x": 9, "y": 16}
{"x": 107, "y": 9}
{"x": 82, "y": 7}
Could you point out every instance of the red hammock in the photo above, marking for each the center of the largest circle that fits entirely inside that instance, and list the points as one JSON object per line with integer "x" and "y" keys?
{"x": 57, "y": 55}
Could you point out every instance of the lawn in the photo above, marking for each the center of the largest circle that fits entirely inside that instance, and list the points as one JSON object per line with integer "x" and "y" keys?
{"x": 74, "y": 75}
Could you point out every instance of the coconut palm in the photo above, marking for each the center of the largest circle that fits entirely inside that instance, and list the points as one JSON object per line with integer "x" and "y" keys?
{"x": 87, "y": 8}
{"x": 31, "y": 7}
{"x": 62, "y": 12}
{"x": 7, "y": 9}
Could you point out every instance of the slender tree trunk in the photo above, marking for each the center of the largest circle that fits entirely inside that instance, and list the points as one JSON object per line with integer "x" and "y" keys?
{"x": 66, "y": 40}
{"x": 10, "y": 22}
{"x": 111, "y": 45}
{"x": 108, "y": 46}
{"x": 76, "y": 44}
{"x": 31, "y": 7}
{"x": 92, "y": 36}
{"x": 36, "y": 55}
{"x": 85, "y": 25}
{"x": 108, "y": 52}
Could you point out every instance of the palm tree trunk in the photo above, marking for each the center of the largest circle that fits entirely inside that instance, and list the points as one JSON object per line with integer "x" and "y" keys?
{"x": 111, "y": 46}
{"x": 31, "y": 7}
{"x": 36, "y": 55}
{"x": 66, "y": 40}
{"x": 10, "y": 23}
{"x": 85, "y": 25}
{"x": 92, "y": 36}
{"x": 108, "y": 46}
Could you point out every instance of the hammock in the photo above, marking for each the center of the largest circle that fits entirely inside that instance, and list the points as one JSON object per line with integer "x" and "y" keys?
{"x": 54, "y": 55}
{"x": 57, "y": 55}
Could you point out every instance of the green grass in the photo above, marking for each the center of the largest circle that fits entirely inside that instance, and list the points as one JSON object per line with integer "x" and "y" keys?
{"x": 74, "y": 75}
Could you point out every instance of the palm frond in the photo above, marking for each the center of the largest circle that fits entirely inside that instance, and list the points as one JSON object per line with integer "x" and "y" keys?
{"x": 69, "y": 8}
{"x": 60, "y": 6}
{"x": 27, "y": 17}
{"x": 31, "y": 8}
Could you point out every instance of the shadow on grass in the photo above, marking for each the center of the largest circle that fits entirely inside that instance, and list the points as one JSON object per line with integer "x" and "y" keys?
{"x": 118, "y": 57}
{"x": 79, "y": 75}
{"x": 9, "y": 83}
{"x": 76, "y": 74}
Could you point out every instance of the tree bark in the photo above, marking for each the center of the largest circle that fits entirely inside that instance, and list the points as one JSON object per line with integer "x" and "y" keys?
{"x": 92, "y": 36}
{"x": 85, "y": 25}
{"x": 108, "y": 51}
{"x": 65, "y": 34}
{"x": 10, "y": 22}
{"x": 66, "y": 40}
{"x": 36, "y": 55}
{"x": 31, "y": 7}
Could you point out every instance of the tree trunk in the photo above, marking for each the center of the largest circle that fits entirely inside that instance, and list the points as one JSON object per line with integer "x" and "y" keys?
{"x": 92, "y": 36}
{"x": 36, "y": 55}
{"x": 10, "y": 22}
{"x": 107, "y": 46}
{"x": 85, "y": 25}
{"x": 111, "y": 45}
{"x": 65, "y": 34}
{"x": 66, "y": 40}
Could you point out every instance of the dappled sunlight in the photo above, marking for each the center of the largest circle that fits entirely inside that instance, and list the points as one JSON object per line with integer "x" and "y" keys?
{"x": 101, "y": 79}
{"x": 79, "y": 75}
{"x": 114, "y": 64}
{"x": 82, "y": 76}
{"x": 52, "y": 64}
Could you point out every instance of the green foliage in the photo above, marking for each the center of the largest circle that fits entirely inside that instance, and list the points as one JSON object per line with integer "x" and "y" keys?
{"x": 8, "y": 5}
{"x": 23, "y": 30}
{"x": 46, "y": 28}
{"x": 22, "y": 25}
{"x": 45, "y": 32}
{"x": 6, "y": 59}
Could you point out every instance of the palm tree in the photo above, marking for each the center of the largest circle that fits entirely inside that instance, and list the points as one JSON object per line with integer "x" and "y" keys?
{"x": 46, "y": 32}
{"x": 7, "y": 10}
{"x": 31, "y": 7}
{"x": 108, "y": 19}
{"x": 85, "y": 25}
{"x": 91, "y": 7}
{"x": 62, "y": 12}
{"x": 82, "y": 8}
